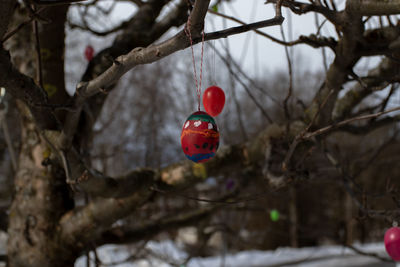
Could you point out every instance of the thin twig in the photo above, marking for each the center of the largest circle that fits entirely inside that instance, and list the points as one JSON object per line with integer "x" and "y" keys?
{"x": 300, "y": 136}
{"x": 20, "y": 26}
{"x": 39, "y": 74}
{"x": 248, "y": 91}
{"x": 227, "y": 59}
{"x": 344, "y": 122}
{"x": 290, "y": 89}
{"x": 227, "y": 200}
{"x": 9, "y": 145}
{"x": 56, "y": 3}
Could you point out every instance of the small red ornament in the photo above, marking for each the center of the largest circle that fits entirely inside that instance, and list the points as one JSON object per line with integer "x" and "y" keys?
{"x": 213, "y": 100}
{"x": 199, "y": 137}
{"x": 392, "y": 243}
{"x": 89, "y": 51}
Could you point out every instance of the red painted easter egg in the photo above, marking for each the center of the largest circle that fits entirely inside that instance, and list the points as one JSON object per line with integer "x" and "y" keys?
{"x": 199, "y": 137}
{"x": 213, "y": 100}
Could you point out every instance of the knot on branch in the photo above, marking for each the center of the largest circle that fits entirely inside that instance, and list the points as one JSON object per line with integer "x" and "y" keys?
{"x": 81, "y": 88}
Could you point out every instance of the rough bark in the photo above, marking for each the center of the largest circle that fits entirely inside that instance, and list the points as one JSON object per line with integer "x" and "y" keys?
{"x": 41, "y": 193}
{"x": 52, "y": 45}
{"x": 41, "y": 197}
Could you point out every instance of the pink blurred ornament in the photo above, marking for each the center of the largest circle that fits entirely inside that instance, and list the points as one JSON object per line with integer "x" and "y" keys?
{"x": 392, "y": 243}
{"x": 89, "y": 52}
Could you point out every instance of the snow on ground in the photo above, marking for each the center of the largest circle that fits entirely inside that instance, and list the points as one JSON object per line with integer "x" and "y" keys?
{"x": 168, "y": 254}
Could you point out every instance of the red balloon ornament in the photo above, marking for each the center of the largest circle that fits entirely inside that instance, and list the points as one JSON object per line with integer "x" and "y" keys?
{"x": 89, "y": 52}
{"x": 199, "y": 137}
{"x": 213, "y": 100}
{"x": 392, "y": 243}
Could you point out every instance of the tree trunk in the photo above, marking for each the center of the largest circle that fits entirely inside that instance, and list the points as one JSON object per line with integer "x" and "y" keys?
{"x": 349, "y": 219}
{"x": 293, "y": 217}
{"x": 41, "y": 197}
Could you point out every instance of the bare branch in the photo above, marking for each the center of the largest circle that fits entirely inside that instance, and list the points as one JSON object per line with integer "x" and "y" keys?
{"x": 374, "y": 7}
{"x": 82, "y": 225}
{"x": 311, "y": 40}
{"x": 55, "y": 2}
{"x": 150, "y": 54}
{"x": 345, "y": 122}
{"x": 120, "y": 235}
{"x": 97, "y": 184}
{"x": 244, "y": 28}
{"x": 303, "y": 8}
{"x": 98, "y": 33}
{"x": 378, "y": 79}
{"x": 20, "y": 26}
{"x": 22, "y": 87}
{"x": 39, "y": 74}
{"x": 346, "y": 56}
{"x": 6, "y": 11}
{"x": 174, "y": 18}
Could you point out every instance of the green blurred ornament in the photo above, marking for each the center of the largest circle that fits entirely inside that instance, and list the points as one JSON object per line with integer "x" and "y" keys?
{"x": 274, "y": 215}
{"x": 215, "y": 8}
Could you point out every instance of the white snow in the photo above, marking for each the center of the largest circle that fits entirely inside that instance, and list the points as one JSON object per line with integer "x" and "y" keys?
{"x": 169, "y": 254}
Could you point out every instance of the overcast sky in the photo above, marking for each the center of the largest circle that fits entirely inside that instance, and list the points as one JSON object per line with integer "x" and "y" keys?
{"x": 257, "y": 53}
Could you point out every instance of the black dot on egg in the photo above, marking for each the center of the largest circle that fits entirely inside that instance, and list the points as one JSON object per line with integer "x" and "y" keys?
{"x": 205, "y": 145}
{"x": 197, "y": 146}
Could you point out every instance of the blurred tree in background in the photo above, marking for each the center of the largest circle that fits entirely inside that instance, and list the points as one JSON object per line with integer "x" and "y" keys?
{"x": 102, "y": 163}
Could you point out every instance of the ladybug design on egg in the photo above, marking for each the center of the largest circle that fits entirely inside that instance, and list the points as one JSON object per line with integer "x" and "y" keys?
{"x": 199, "y": 137}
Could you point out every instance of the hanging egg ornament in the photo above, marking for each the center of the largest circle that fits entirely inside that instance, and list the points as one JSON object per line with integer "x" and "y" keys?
{"x": 392, "y": 243}
{"x": 89, "y": 52}
{"x": 213, "y": 100}
{"x": 199, "y": 137}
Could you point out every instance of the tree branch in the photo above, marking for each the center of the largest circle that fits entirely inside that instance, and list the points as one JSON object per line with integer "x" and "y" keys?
{"x": 346, "y": 56}
{"x": 365, "y": 129}
{"x": 123, "y": 235}
{"x": 6, "y": 11}
{"x": 96, "y": 184}
{"x": 85, "y": 223}
{"x": 300, "y": 8}
{"x": 345, "y": 122}
{"x": 150, "y": 54}
{"x": 311, "y": 40}
{"x": 374, "y": 7}
{"x": 81, "y": 225}
{"x": 378, "y": 78}
{"x": 24, "y": 88}
{"x": 171, "y": 177}
{"x": 98, "y": 33}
